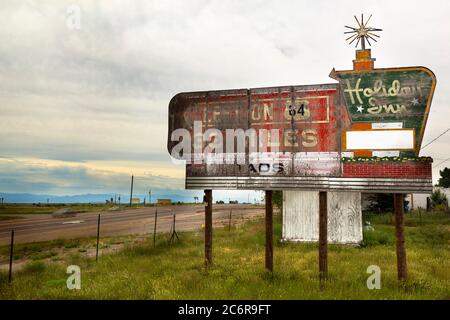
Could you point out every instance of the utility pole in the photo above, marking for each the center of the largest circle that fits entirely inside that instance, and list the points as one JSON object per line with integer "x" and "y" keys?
{"x": 150, "y": 197}
{"x": 131, "y": 192}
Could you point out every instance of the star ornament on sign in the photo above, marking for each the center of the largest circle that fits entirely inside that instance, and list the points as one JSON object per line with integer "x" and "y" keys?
{"x": 362, "y": 33}
{"x": 360, "y": 109}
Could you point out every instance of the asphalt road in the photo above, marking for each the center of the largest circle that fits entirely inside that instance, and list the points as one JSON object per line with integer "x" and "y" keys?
{"x": 43, "y": 227}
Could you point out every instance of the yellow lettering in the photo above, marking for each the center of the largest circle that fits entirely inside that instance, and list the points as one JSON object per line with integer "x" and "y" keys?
{"x": 374, "y": 110}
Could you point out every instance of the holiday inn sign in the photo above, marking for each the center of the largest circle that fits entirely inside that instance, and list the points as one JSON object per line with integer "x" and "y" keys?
{"x": 397, "y": 98}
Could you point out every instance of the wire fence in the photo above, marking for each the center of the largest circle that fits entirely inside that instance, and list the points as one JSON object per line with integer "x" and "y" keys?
{"x": 149, "y": 221}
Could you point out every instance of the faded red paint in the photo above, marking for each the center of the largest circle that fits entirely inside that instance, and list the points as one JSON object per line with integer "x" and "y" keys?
{"x": 318, "y": 130}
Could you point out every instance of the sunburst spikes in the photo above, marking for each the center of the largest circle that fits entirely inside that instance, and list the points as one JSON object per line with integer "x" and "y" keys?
{"x": 362, "y": 33}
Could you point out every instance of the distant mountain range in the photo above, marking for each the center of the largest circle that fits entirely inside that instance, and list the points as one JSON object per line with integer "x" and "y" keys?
{"x": 185, "y": 196}
{"x": 176, "y": 196}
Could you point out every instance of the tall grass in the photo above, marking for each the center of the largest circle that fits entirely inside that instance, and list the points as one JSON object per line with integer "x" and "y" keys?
{"x": 176, "y": 271}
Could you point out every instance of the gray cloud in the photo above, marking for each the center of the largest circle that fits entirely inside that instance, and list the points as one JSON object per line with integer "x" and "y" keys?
{"x": 101, "y": 92}
{"x": 27, "y": 177}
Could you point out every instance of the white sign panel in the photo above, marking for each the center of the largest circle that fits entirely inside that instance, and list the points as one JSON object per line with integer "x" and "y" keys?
{"x": 380, "y": 139}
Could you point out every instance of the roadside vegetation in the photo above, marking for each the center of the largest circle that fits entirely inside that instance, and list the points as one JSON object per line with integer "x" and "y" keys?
{"x": 140, "y": 271}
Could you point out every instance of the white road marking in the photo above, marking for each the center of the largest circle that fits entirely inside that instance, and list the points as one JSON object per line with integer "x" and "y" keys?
{"x": 73, "y": 222}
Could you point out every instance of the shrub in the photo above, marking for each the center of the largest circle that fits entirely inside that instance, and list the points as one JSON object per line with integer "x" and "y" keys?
{"x": 35, "y": 266}
{"x": 439, "y": 200}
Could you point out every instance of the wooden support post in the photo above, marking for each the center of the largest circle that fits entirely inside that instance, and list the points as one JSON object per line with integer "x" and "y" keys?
{"x": 208, "y": 228}
{"x": 400, "y": 237}
{"x": 269, "y": 231}
{"x": 323, "y": 236}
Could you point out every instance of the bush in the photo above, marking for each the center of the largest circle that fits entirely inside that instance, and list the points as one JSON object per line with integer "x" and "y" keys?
{"x": 35, "y": 266}
{"x": 277, "y": 199}
{"x": 56, "y": 283}
{"x": 440, "y": 208}
{"x": 439, "y": 200}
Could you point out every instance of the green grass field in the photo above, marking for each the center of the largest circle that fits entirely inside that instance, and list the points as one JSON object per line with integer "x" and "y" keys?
{"x": 176, "y": 272}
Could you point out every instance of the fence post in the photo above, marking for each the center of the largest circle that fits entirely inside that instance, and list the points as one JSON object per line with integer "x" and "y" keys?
{"x": 98, "y": 237}
{"x": 174, "y": 231}
{"x": 229, "y": 220}
{"x": 154, "y": 228}
{"x": 11, "y": 252}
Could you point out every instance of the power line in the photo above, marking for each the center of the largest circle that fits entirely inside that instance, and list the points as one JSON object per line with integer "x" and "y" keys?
{"x": 435, "y": 139}
{"x": 441, "y": 162}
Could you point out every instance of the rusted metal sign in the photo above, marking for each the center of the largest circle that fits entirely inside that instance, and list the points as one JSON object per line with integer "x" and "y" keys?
{"x": 304, "y": 116}
{"x": 291, "y": 131}
{"x": 302, "y": 137}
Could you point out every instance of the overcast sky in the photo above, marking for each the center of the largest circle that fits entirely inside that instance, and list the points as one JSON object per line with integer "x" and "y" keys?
{"x": 82, "y": 109}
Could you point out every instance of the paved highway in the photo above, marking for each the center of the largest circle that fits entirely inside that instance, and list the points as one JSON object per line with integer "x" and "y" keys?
{"x": 43, "y": 227}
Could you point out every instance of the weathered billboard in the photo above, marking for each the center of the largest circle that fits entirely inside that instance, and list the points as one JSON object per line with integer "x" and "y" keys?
{"x": 279, "y": 131}
{"x": 362, "y": 133}
{"x": 304, "y": 116}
